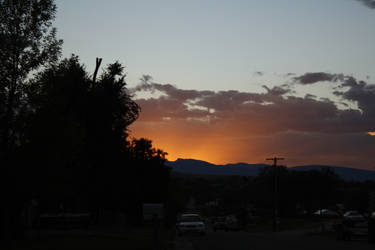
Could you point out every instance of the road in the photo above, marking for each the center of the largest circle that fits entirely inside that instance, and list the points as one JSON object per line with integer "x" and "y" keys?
{"x": 267, "y": 241}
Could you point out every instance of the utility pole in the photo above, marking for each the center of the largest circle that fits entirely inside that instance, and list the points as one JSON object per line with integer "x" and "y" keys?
{"x": 275, "y": 192}
{"x": 98, "y": 62}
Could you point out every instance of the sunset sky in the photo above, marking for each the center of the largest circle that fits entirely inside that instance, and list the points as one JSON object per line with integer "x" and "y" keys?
{"x": 242, "y": 80}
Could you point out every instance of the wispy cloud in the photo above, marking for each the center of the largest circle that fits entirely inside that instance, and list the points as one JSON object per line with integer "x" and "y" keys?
{"x": 278, "y": 90}
{"x": 314, "y": 77}
{"x": 258, "y": 73}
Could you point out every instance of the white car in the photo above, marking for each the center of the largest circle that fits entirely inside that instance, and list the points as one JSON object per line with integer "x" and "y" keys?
{"x": 190, "y": 223}
{"x": 354, "y": 216}
{"x": 326, "y": 213}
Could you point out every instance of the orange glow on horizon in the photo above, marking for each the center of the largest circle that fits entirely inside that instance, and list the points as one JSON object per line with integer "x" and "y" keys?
{"x": 178, "y": 144}
{"x": 226, "y": 146}
{"x": 176, "y": 150}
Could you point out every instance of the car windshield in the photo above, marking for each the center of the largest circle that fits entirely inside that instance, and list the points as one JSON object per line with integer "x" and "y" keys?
{"x": 190, "y": 218}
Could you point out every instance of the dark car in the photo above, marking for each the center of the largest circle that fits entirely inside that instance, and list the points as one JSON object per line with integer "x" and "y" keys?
{"x": 232, "y": 223}
{"x": 219, "y": 223}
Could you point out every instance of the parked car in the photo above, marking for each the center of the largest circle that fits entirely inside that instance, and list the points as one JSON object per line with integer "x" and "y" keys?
{"x": 190, "y": 223}
{"x": 218, "y": 223}
{"x": 232, "y": 223}
{"x": 327, "y": 213}
{"x": 354, "y": 216}
{"x": 64, "y": 220}
{"x": 349, "y": 229}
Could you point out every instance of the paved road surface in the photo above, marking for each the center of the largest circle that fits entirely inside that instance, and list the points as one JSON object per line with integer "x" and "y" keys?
{"x": 267, "y": 241}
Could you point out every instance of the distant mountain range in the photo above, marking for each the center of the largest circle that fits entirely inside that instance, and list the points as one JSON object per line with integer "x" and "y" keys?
{"x": 197, "y": 167}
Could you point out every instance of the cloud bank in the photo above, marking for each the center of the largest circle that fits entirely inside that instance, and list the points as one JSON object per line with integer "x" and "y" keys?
{"x": 227, "y": 126}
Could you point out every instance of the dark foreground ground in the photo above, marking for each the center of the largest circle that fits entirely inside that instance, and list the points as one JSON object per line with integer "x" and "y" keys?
{"x": 298, "y": 240}
{"x": 141, "y": 238}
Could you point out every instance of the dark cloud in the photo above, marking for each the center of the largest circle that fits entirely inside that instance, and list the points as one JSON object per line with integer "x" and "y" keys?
{"x": 368, "y": 3}
{"x": 278, "y": 90}
{"x": 314, "y": 77}
{"x": 324, "y": 99}
{"x": 344, "y": 104}
{"x": 361, "y": 93}
{"x": 145, "y": 79}
{"x": 258, "y": 73}
{"x": 350, "y": 89}
{"x": 171, "y": 91}
{"x": 309, "y": 96}
{"x": 338, "y": 93}
{"x": 349, "y": 82}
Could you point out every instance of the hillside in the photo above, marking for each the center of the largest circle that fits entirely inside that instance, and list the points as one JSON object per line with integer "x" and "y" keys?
{"x": 191, "y": 166}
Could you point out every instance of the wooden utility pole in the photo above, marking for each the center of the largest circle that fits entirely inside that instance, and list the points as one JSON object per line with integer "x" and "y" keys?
{"x": 275, "y": 192}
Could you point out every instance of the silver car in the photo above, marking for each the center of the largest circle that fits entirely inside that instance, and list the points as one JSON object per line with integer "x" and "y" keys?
{"x": 354, "y": 216}
{"x": 190, "y": 223}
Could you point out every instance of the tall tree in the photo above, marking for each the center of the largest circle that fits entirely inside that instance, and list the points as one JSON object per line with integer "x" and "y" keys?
{"x": 27, "y": 42}
{"x": 78, "y": 131}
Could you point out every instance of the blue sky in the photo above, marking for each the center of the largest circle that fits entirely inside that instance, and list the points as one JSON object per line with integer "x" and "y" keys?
{"x": 218, "y": 45}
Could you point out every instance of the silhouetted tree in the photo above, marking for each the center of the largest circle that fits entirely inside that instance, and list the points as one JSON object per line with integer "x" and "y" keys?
{"x": 78, "y": 138}
{"x": 151, "y": 170}
{"x": 112, "y": 111}
{"x": 78, "y": 133}
{"x": 27, "y": 42}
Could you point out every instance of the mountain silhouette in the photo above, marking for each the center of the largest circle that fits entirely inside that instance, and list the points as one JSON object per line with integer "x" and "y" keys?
{"x": 197, "y": 167}
{"x": 191, "y": 166}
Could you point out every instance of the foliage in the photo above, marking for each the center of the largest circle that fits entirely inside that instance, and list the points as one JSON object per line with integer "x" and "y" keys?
{"x": 64, "y": 137}
{"x": 150, "y": 168}
{"x": 27, "y": 42}
{"x": 78, "y": 139}
{"x": 298, "y": 191}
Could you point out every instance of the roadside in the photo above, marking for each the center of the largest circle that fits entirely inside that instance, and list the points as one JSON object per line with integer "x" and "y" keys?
{"x": 290, "y": 240}
{"x": 315, "y": 235}
{"x": 183, "y": 243}
{"x": 140, "y": 238}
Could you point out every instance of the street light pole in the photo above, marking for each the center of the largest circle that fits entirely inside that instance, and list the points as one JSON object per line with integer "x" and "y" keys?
{"x": 275, "y": 192}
